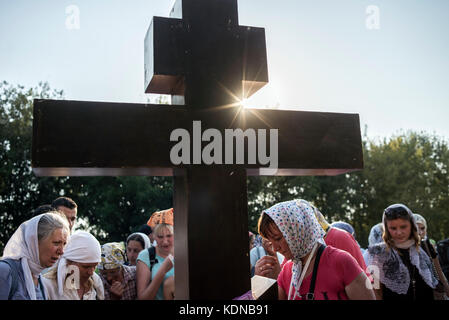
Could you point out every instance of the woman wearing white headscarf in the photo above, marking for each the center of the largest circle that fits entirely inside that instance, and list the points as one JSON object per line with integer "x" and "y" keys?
{"x": 375, "y": 236}
{"x": 294, "y": 231}
{"x": 135, "y": 243}
{"x": 422, "y": 228}
{"x": 73, "y": 278}
{"x": 119, "y": 280}
{"x": 37, "y": 244}
{"x": 428, "y": 245}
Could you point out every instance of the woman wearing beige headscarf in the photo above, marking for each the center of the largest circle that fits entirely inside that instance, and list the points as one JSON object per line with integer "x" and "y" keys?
{"x": 37, "y": 244}
{"x": 73, "y": 278}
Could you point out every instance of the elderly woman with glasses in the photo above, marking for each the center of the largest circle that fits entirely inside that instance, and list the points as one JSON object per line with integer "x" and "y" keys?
{"x": 404, "y": 270}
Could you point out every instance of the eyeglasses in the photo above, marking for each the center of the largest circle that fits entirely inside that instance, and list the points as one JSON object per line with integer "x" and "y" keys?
{"x": 396, "y": 212}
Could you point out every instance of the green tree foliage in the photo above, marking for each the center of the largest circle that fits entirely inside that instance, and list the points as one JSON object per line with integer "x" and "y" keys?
{"x": 112, "y": 206}
{"x": 409, "y": 168}
{"x": 117, "y": 206}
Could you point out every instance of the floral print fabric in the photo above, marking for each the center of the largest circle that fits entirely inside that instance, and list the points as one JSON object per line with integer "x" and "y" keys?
{"x": 297, "y": 222}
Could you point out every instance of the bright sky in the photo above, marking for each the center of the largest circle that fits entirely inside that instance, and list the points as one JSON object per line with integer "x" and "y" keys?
{"x": 387, "y": 60}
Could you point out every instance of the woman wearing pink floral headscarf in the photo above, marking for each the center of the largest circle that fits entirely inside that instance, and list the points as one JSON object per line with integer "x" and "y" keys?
{"x": 294, "y": 231}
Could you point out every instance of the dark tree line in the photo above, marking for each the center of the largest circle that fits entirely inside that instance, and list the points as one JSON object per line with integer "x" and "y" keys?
{"x": 410, "y": 167}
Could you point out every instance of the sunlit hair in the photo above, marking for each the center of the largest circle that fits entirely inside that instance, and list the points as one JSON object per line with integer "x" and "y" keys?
{"x": 386, "y": 236}
{"x": 161, "y": 227}
{"x": 50, "y": 222}
{"x": 265, "y": 226}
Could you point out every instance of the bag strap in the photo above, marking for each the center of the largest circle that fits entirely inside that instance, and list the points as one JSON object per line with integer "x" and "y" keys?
{"x": 14, "y": 276}
{"x": 152, "y": 255}
{"x": 430, "y": 250}
{"x": 311, "y": 295}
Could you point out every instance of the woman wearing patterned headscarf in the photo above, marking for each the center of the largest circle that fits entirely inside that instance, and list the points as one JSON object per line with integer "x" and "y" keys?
{"x": 118, "y": 279}
{"x": 375, "y": 236}
{"x": 153, "y": 273}
{"x": 294, "y": 231}
{"x": 405, "y": 270}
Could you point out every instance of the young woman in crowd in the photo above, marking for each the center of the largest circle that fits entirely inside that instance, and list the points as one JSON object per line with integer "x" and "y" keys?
{"x": 151, "y": 277}
{"x": 119, "y": 280}
{"x": 405, "y": 270}
{"x": 294, "y": 231}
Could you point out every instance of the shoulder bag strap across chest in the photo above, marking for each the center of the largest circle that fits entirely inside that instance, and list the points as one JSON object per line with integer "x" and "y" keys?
{"x": 311, "y": 295}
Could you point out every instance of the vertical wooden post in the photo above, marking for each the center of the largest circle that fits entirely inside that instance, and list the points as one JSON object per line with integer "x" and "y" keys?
{"x": 211, "y": 233}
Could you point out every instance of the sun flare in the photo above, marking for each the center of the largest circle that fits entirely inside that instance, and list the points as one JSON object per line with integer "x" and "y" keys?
{"x": 244, "y": 104}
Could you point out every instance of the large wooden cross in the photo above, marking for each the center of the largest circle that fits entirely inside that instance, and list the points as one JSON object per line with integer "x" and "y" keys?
{"x": 202, "y": 56}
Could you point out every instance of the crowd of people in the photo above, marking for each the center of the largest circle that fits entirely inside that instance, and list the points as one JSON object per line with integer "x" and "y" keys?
{"x": 311, "y": 259}
{"x": 46, "y": 259}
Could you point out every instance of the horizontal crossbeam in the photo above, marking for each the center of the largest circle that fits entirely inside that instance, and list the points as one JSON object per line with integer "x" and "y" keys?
{"x": 112, "y": 139}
